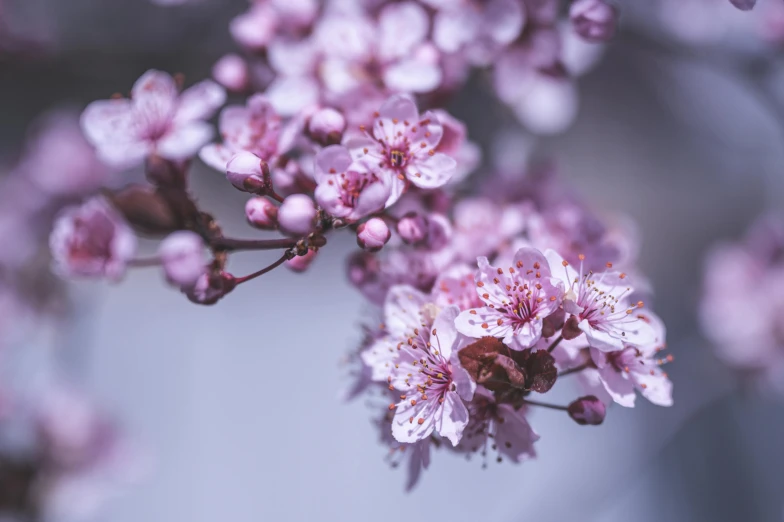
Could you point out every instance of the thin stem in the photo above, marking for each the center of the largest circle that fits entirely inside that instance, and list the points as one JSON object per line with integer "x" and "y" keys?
{"x": 545, "y": 405}
{"x": 555, "y": 344}
{"x": 144, "y": 262}
{"x": 274, "y": 195}
{"x": 576, "y": 369}
{"x": 230, "y": 245}
{"x": 263, "y": 271}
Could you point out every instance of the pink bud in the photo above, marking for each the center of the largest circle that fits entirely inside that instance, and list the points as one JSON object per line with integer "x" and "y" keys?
{"x": 413, "y": 228}
{"x": 439, "y": 231}
{"x": 297, "y": 215}
{"x": 326, "y": 126}
{"x": 249, "y": 173}
{"x": 231, "y": 71}
{"x": 182, "y": 255}
{"x": 210, "y": 288}
{"x": 373, "y": 234}
{"x": 261, "y": 213}
{"x": 594, "y": 20}
{"x": 301, "y": 263}
{"x": 587, "y": 410}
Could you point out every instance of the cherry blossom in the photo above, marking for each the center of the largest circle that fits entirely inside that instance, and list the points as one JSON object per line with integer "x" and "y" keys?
{"x": 155, "y": 120}
{"x": 401, "y": 145}
{"x": 517, "y": 299}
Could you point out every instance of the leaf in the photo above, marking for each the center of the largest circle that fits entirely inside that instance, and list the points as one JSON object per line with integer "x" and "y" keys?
{"x": 487, "y": 364}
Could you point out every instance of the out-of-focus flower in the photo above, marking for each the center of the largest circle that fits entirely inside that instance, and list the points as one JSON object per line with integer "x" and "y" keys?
{"x": 402, "y": 146}
{"x": 232, "y": 72}
{"x": 92, "y": 240}
{"x": 588, "y": 410}
{"x": 182, "y": 256}
{"x": 593, "y": 20}
{"x": 517, "y": 299}
{"x": 297, "y": 215}
{"x": 326, "y": 126}
{"x": 155, "y": 120}
{"x": 210, "y": 288}
{"x": 254, "y": 128}
{"x": 743, "y": 303}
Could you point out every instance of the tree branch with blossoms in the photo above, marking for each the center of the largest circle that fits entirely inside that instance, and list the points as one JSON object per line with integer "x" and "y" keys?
{"x": 488, "y": 295}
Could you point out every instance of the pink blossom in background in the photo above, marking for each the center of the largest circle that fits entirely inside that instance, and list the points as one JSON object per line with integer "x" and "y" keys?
{"x": 156, "y": 119}
{"x": 743, "y": 302}
{"x": 92, "y": 240}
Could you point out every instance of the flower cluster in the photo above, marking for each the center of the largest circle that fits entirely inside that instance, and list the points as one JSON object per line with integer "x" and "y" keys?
{"x": 743, "y": 303}
{"x": 489, "y": 295}
{"x": 477, "y": 325}
{"x": 352, "y": 55}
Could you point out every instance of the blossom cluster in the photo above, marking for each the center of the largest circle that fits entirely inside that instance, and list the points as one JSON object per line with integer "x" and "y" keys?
{"x": 489, "y": 295}
{"x": 743, "y": 302}
{"x": 524, "y": 290}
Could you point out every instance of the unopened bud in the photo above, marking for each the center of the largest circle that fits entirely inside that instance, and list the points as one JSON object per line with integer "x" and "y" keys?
{"x": 587, "y": 410}
{"x": 594, "y": 20}
{"x": 249, "y": 173}
{"x": 261, "y": 213}
{"x": 326, "y": 126}
{"x": 231, "y": 71}
{"x": 297, "y": 215}
{"x": 182, "y": 256}
{"x": 301, "y": 263}
{"x": 373, "y": 234}
{"x": 413, "y": 228}
{"x": 211, "y": 287}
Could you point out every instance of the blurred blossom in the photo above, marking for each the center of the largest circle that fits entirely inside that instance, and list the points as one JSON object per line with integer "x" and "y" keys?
{"x": 743, "y": 303}
{"x": 156, "y": 119}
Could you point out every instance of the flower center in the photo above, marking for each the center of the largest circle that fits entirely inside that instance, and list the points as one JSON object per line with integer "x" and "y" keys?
{"x": 397, "y": 158}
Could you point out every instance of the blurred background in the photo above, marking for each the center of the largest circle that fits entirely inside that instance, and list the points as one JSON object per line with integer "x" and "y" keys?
{"x": 237, "y": 408}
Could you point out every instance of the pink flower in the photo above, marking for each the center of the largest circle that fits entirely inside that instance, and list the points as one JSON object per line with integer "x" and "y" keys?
{"x": 254, "y": 128}
{"x": 393, "y": 51}
{"x": 297, "y": 215}
{"x": 499, "y": 426}
{"x": 156, "y": 120}
{"x": 348, "y": 189}
{"x": 402, "y": 147}
{"x": 182, "y": 255}
{"x": 373, "y": 234}
{"x": 517, "y": 300}
{"x": 92, "y": 240}
{"x": 635, "y": 367}
{"x": 456, "y": 286}
{"x": 478, "y": 28}
{"x": 327, "y": 126}
{"x": 434, "y": 385}
{"x": 248, "y": 173}
{"x": 232, "y": 72}
{"x": 599, "y": 303}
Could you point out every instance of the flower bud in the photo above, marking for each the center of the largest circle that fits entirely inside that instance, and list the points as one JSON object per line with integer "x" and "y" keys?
{"x": 373, "y": 234}
{"x": 587, "y": 410}
{"x": 593, "y": 20}
{"x": 297, "y": 214}
{"x": 439, "y": 231}
{"x": 261, "y": 213}
{"x": 211, "y": 287}
{"x": 182, "y": 255}
{"x": 301, "y": 263}
{"x": 326, "y": 126}
{"x": 249, "y": 173}
{"x": 413, "y": 228}
{"x": 231, "y": 71}
{"x": 744, "y": 5}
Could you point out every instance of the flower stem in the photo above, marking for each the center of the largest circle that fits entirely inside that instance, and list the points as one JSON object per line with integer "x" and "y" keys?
{"x": 144, "y": 262}
{"x": 576, "y": 369}
{"x": 231, "y": 245}
{"x": 545, "y": 405}
{"x": 555, "y": 344}
{"x": 263, "y": 271}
